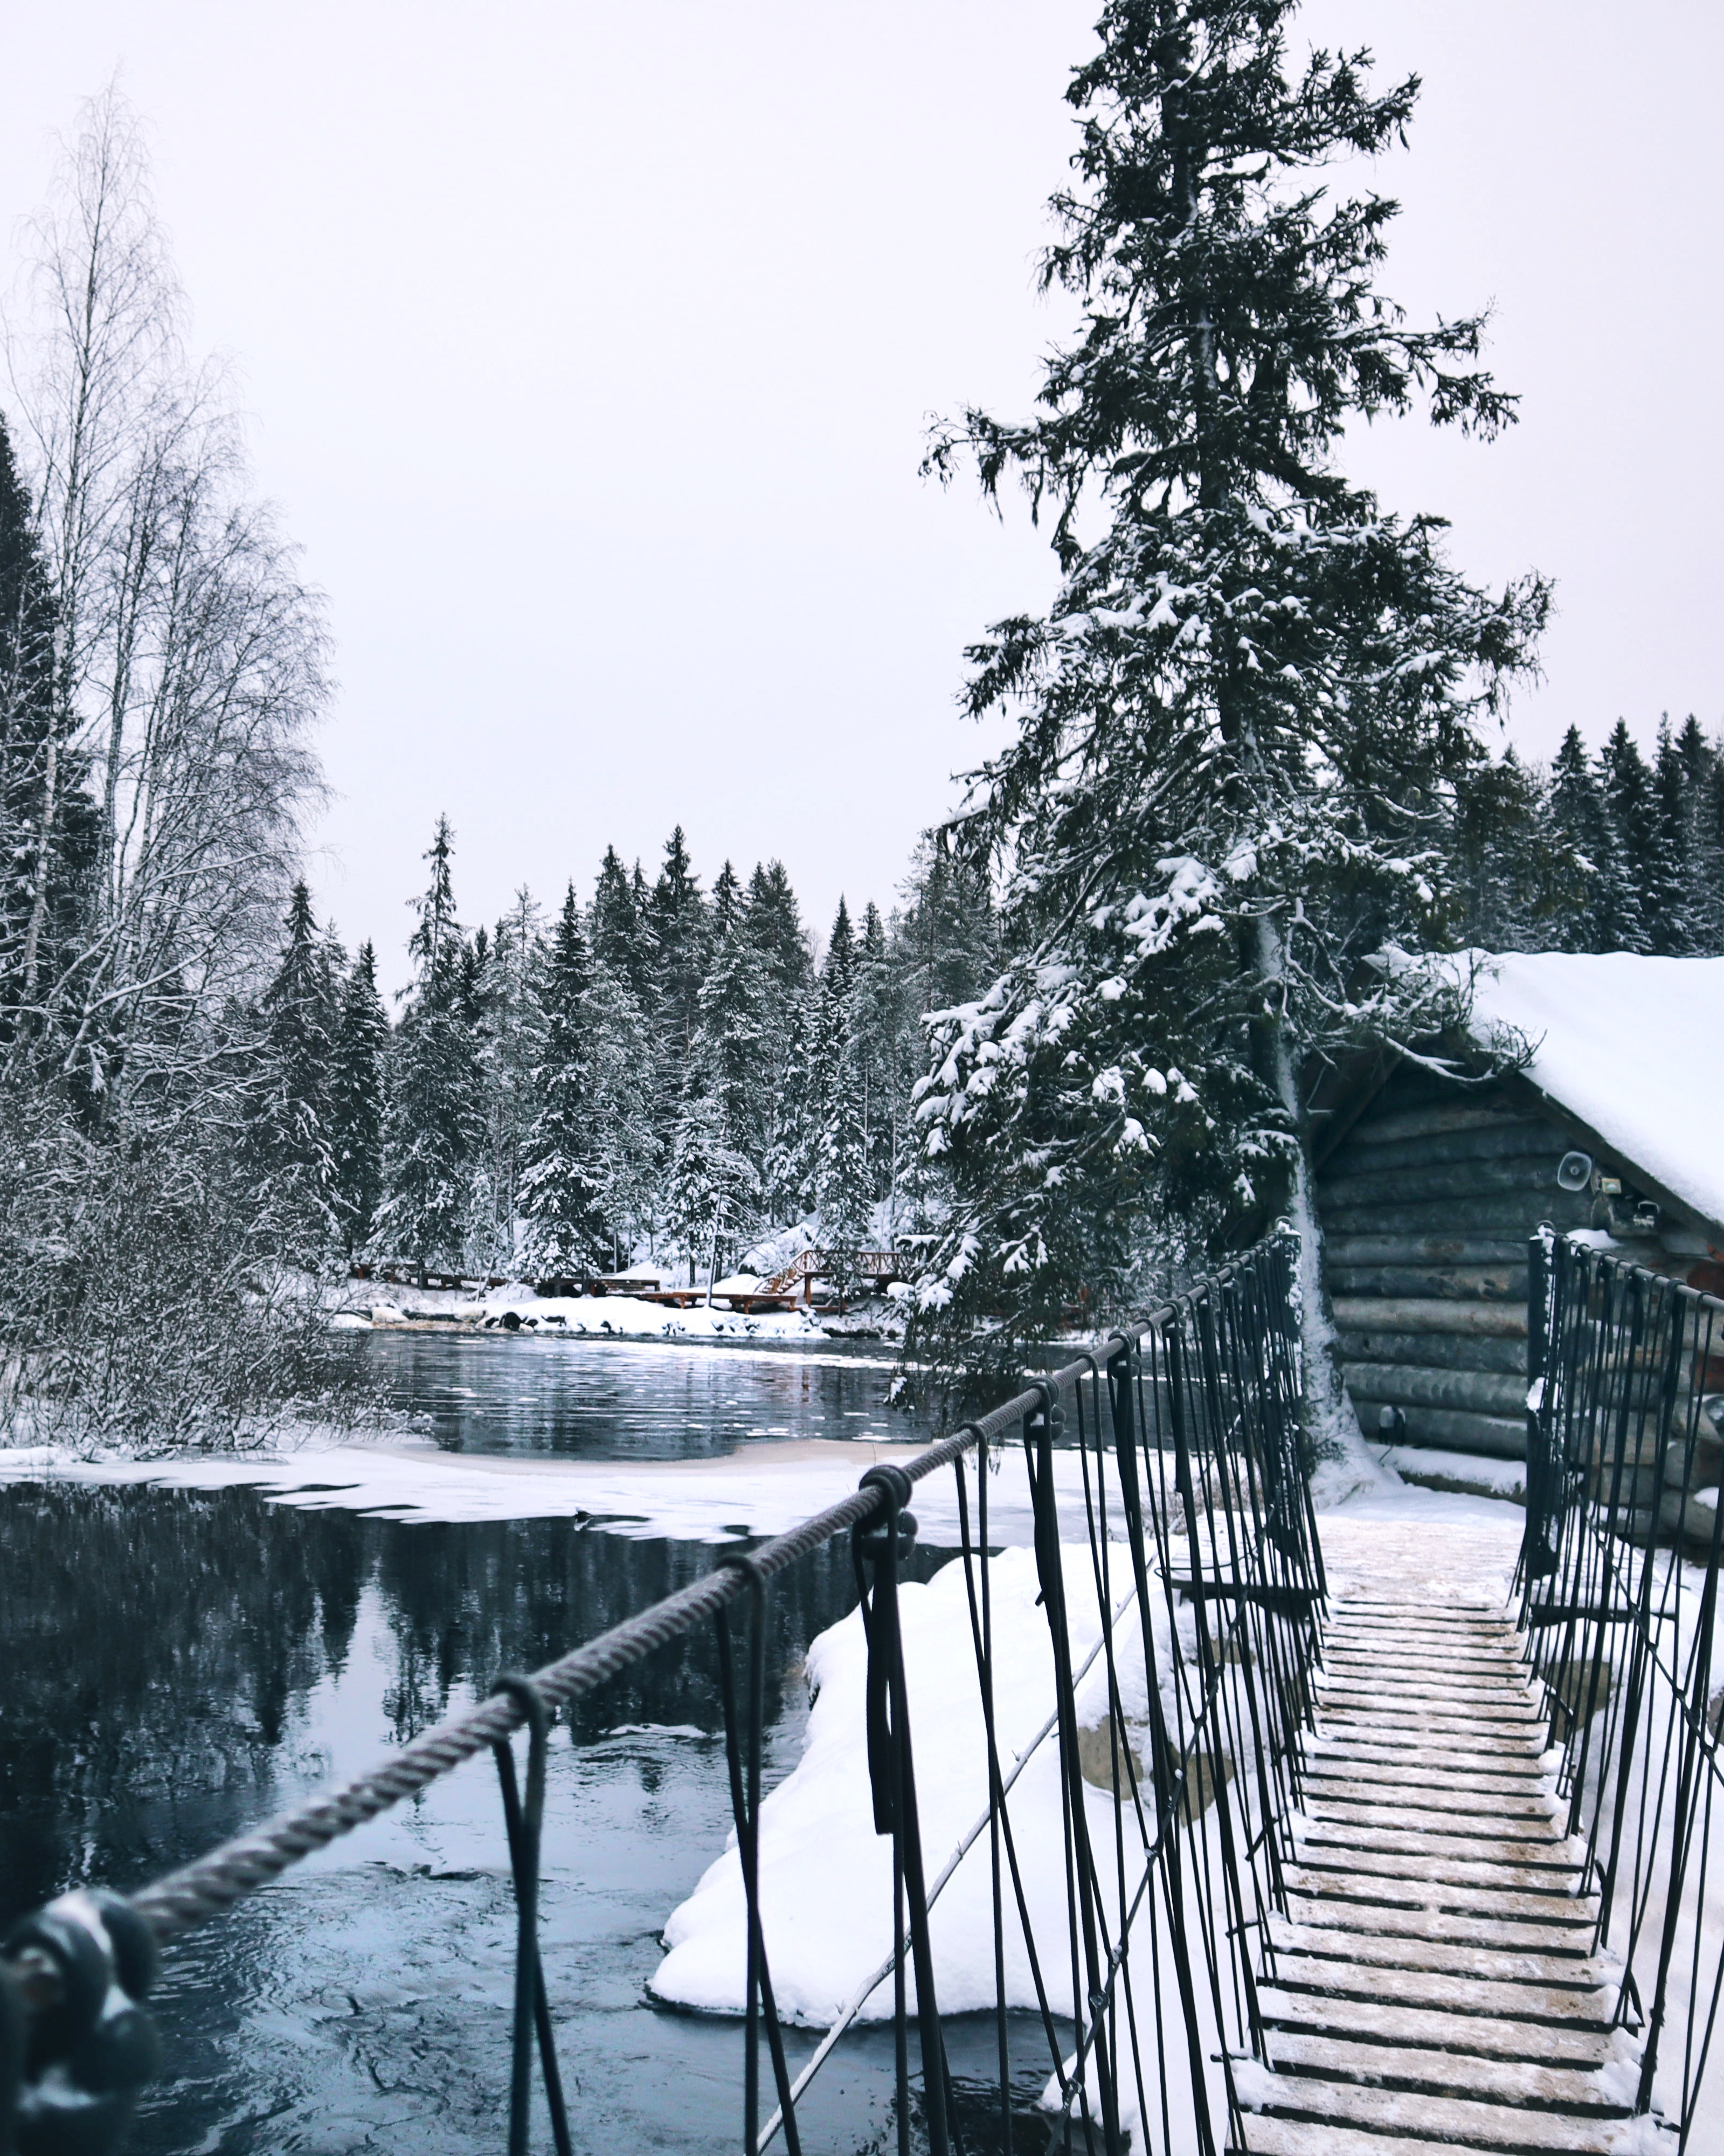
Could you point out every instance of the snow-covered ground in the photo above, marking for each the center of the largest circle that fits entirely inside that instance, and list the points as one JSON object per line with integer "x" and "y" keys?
{"x": 624, "y": 1316}
{"x": 766, "y": 1489}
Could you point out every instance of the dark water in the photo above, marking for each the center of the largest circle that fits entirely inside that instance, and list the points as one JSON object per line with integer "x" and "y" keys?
{"x": 179, "y": 1663}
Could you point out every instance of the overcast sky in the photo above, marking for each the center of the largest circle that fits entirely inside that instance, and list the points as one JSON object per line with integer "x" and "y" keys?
{"x": 590, "y": 348}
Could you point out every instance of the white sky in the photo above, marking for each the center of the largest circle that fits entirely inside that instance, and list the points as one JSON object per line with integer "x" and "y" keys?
{"x": 590, "y": 349}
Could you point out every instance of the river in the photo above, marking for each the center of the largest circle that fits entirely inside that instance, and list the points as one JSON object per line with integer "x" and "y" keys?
{"x": 181, "y": 1662}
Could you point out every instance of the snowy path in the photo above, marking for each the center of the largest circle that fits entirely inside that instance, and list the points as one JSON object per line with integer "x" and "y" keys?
{"x": 1432, "y": 1981}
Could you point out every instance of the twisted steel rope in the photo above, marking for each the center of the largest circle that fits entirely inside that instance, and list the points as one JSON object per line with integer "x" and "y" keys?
{"x": 224, "y": 1875}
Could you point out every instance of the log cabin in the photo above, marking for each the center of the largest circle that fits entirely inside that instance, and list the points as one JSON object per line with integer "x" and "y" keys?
{"x": 1430, "y": 1181}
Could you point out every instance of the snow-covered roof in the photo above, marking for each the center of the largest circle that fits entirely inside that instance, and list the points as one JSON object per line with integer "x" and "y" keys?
{"x": 1632, "y": 1047}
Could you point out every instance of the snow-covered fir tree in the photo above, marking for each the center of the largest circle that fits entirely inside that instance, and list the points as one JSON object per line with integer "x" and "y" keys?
{"x": 359, "y": 1061}
{"x": 291, "y": 1136}
{"x": 1625, "y": 797}
{"x": 1505, "y": 874}
{"x": 728, "y": 1062}
{"x": 626, "y": 1149}
{"x": 772, "y": 927}
{"x": 828, "y": 1018}
{"x": 433, "y": 1125}
{"x": 845, "y": 1182}
{"x": 561, "y": 1197}
{"x": 1664, "y": 891}
{"x": 713, "y": 1190}
{"x": 1237, "y": 726}
{"x": 504, "y": 1016}
{"x": 676, "y": 914}
{"x": 622, "y": 939}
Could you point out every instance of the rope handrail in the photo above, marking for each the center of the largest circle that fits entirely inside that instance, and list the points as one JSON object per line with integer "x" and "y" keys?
{"x": 227, "y": 1874}
{"x": 1191, "y": 1495}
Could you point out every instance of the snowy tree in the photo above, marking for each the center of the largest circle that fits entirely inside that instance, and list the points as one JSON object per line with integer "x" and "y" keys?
{"x": 502, "y": 1011}
{"x": 676, "y": 914}
{"x": 772, "y": 928}
{"x": 1237, "y": 725}
{"x": 843, "y": 1173}
{"x": 358, "y": 1063}
{"x": 626, "y": 1154}
{"x": 1665, "y": 896}
{"x": 1625, "y": 794}
{"x": 27, "y": 726}
{"x": 560, "y": 1181}
{"x": 1502, "y": 871}
{"x": 729, "y": 1058}
{"x": 289, "y": 1136}
{"x": 622, "y": 939}
{"x": 1702, "y": 836}
{"x": 712, "y": 1189}
{"x": 187, "y": 661}
{"x": 726, "y": 905}
{"x": 433, "y": 1128}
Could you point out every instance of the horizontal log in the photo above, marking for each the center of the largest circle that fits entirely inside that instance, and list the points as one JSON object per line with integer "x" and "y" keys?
{"x": 1483, "y": 1284}
{"x": 1448, "y": 1430}
{"x": 1405, "y": 1385}
{"x": 1437, "y": 1351}
{"x": 1390, "y": 1186}
{"x": 1502, "y": 1320}
{"x": 1425, "y": 1249}
{"x": 1506, "y": 1141}
{"x": 1507, "y": 1212}
{"x": 1386, "y": 1124}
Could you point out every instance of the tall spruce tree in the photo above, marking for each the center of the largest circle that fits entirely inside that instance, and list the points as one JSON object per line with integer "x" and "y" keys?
{"x": 358, "y": 1064}
{"x": 627, "y": 1153}
{"x": 772, "y": 928}
{"x": 561, "y": 1197}
{"x": 681, "y": 931}
{"x": 504, "y": 1016}
{"x": 1501, "y": 869}
{"x": 1630, "y": 821}
{"x": 1666, "y": 895}
{"x": 1237, "y": 724}
{"x": 1582, "y": 848}
{"x": 712, "y": 1189}
{"x": 622, "y": 939}
{"x": 435, "y": 1125}
{"x": 1702, "y": 836}
{"x": 291, "y": 1134}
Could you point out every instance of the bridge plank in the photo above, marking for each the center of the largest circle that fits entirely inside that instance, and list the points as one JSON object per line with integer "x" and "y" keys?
{"x": 1538, "y": 2007}
{"x": 1411, "y": 1888}
{"x": 1401, "y": 2134}
{"x": 1529, "y": 1820}
{"x": 1416, "y": 1953}
{"x": 1406, "y": 1919}
{"x": 1550, "y": 1852}
{"x": 1429, "y": 2071}
{"x": 1424, "y": 2027}
{"x": 1432, "y": 1978}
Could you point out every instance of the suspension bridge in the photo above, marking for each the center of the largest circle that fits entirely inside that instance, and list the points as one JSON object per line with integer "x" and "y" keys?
{"x": 1367, "y": 1834}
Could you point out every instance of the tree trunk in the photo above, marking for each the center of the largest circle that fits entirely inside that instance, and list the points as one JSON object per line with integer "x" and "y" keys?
{"x": 1336, "y": 1457}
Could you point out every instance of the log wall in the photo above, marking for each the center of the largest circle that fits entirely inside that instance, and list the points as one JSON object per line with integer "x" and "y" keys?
{"x": 1427, "y": 1205}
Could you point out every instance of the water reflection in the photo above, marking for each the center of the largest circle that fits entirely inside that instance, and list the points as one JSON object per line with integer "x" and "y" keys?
{"x": 181, "y": 1662}
{"x": 619, "y": 1400}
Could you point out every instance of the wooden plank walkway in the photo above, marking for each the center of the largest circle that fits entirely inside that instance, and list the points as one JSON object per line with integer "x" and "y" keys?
{"x": 1433, "y": 1981}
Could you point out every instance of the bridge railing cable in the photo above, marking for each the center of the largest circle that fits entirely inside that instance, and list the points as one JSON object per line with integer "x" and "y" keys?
{"x": 1620, "y": 1579}
{"x": 1181, "y": 1584}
